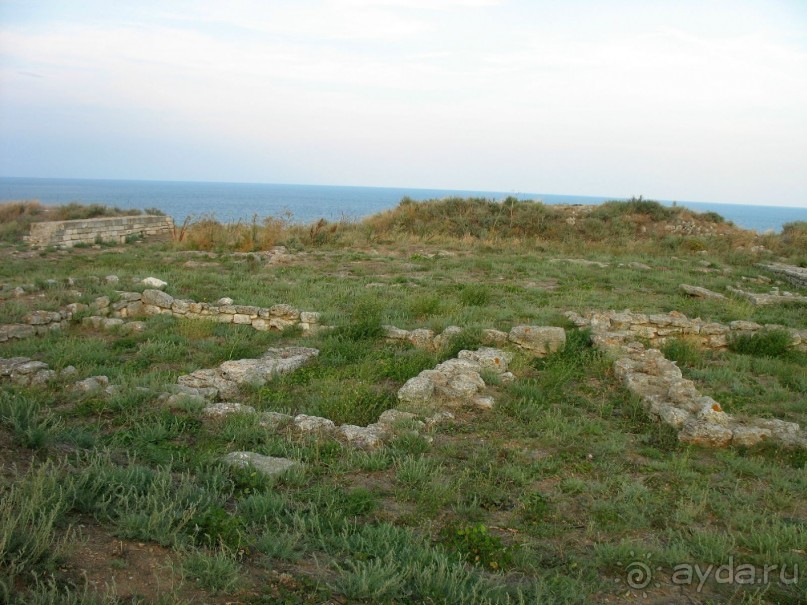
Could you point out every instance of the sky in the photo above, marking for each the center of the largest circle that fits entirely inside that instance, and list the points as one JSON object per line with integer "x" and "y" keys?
{"x": 702, "y": 100}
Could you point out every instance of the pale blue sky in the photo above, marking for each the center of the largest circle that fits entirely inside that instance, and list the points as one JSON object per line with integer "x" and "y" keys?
{"x": 691, "y": 100}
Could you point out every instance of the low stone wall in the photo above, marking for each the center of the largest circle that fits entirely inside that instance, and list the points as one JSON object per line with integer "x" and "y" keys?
{"x": 656, "y": 329}
{"x": 666, "y": 394}
{"x": 795, "y": 275}
{"x": 104, "y": 314}
{"x": 88, "y": 231}
{"x": 157, "y": 302}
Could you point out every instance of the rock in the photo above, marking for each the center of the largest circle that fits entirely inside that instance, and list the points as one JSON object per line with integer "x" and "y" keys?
{"x": 393, "y": 416}
{"x": 42, "y": 318}
{"x": 111, "y": 279}
{"x": 30, "y": 367}
{"x": 485, "y": 403}
{"x": 489, "y": 358}
{"x": 133, "y": 326}
{"x": 748, "y": 436}
{"x": 157, "y": 298}
{"x": 68, "y": 372}
{"x": 91, "y": 384}
{"x": 43, "y": 377}
{"x": 699, "y": 292}
{"x": 225, "y": 408}
{"x": 274, "y": 419}
{"x": 108, "y": 323}
{"x": 153, "y": 282}
{"x": 367, "y": 437}
{"x": 639, "y": 266}
{"x": 224, "y": 301}
{"x": 494, "y": 337}
{"x": 16, "y": 332}
{"x": 309, "y": 317}
{"x": 394, "y": 333}
{"x": 421, "y": 338}
{"x": 540, "y": 340}
{"x": 267, "y": 465}
{"x": 580, "y": 261}
{"x": 704, "y": 433}
{"x": 416, "y": 390}
{"x": 313, "y": 424}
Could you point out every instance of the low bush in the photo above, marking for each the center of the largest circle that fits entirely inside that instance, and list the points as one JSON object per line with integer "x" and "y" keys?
{"x": 766, "y": 343}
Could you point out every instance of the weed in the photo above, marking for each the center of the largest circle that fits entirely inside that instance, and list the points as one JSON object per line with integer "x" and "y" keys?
{"x": 765, "y": 343}
{"x": 218, "y": 572}
{"x": 475, "y": 544}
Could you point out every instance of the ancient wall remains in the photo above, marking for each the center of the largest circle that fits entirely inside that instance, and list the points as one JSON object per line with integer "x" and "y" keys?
{"x": 89, "y": 231}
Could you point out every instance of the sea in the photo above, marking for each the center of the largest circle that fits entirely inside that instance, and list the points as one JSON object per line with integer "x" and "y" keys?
{"x": 306, "y": 203}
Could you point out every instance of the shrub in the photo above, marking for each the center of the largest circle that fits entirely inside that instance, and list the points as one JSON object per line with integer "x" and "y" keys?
{"x": 683, "y": 351}
{"x": 766, "y": 343}
{"x": 477, "y": 546}
{"x": 794, "y": 236}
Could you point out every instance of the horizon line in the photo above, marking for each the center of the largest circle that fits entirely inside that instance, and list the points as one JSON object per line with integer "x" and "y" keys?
{"x": 513, "y": 192}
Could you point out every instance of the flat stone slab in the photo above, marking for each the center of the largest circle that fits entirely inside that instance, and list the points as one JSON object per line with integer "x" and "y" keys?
{"x": 226, "y": 380}
{"x": 699, "y": 292}
{"x": 267, "y": 465}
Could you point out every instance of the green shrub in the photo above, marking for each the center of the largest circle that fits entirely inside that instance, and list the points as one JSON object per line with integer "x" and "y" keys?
{"x": 635, "y": 205}
{"x": 766, "y": 343}
{"x": 30, "y": 512}
{"x": 684, "y": 352}
{"x": 217, "y": 572}
{"x": 477, "y": 546}
{"x": 31, "y": 426}
{"x": 794, "y": 236}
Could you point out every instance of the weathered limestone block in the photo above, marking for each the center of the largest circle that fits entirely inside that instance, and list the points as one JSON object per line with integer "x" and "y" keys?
{"x": 153, "y": 282}
{"x": 38, "y": 318}
{"x": 309, "y": 317}
{"x": 180, "y": 307}
{"x": 227, "y": 379}
{"x": 494, "y": 337}
{"x": 421, "y": 338}
{"x": 91, "y": 384}
{"x": 266, "y": 465}
{"x": 16, "y": 332}
{"x": 541, "y": 340}
{"x": 157, "y": 298}
{"x": 278, "y": 323}
{"x": 226, "y": 408}
{"x": 367, "y": 437}
{"x": 488, "y": 358}
{"x": 417, "y": 390}
{"x": 394, "y": 333}
{"x": 285, "y": 312}
{"x": 392, "y": 417}
{"x": 313, "y": 424}
{"x": 748, "y": 436}
{"x": 704, "y": 433}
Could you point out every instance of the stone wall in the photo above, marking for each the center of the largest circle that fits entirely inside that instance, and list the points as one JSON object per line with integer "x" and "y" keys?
{"x": 88, "y": 231}
{"x": 657, "y": 328}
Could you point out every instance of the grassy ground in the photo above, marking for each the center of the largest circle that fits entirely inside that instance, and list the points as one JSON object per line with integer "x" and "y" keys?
{"x": 554, "y": 496}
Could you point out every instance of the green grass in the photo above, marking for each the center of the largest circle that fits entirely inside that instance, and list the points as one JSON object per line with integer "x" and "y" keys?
{"x": 556, "y": 485}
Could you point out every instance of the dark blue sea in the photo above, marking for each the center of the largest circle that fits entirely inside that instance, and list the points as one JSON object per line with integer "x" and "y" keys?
{"x": 306, "y": 203}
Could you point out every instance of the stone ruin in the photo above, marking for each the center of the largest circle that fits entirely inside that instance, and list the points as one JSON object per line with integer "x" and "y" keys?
{"x": 116, "y": 229}
{"x": 666, "y": 394}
